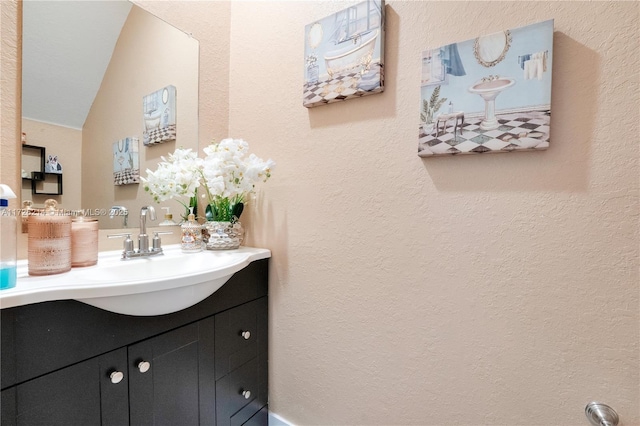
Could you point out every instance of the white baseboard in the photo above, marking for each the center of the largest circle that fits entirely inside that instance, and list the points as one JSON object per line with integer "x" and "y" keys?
{"x": 276, "y": 420}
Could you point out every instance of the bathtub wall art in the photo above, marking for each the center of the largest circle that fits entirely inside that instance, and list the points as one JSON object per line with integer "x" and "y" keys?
{"x": 488, "y": 94}
{"x": 126, "y": 162}
{"x": 344, "y": 55}
{"x": 159, "y": 116}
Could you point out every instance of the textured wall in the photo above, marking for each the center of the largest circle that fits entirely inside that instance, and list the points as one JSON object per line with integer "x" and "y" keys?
{"x": 496, "y": 289}
{"x": 10, "y": 100}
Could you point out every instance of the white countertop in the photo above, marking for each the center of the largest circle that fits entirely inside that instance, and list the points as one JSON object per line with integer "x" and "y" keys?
{"x": 127, "y": 286}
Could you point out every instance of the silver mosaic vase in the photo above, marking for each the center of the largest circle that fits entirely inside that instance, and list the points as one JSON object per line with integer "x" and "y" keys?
{"x": 224, "y": 235}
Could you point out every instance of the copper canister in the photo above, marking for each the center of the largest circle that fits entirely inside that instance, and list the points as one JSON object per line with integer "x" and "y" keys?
{"x": 84, "y": 241}
{"x": 49, "y": 241}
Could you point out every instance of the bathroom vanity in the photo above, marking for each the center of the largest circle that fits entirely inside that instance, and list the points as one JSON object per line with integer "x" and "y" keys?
{"x": 64, "y": 362}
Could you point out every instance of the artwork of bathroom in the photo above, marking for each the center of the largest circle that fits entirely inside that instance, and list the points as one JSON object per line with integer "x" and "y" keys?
{"x": 488, "y": 94}
{"x": 344, "y": 55}
{"x": 126, "y": 161}
{"x": 159, "y": 121}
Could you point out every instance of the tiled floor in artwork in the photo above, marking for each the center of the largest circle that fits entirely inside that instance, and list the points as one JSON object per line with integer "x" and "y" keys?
{"x": 517, "y": 131}
{"x": 343, "y": 86}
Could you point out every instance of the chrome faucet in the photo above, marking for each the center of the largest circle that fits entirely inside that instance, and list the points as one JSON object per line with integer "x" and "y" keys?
{"x": 143, "y": 239}
{"x": 120, "y": 211}
{"x": 490, "y": 78}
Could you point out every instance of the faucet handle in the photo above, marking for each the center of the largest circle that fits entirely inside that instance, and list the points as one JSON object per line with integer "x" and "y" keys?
{"x": 157, "y": 242}
{"x": 124, "y": 234}
{"x": 128, "y": 242}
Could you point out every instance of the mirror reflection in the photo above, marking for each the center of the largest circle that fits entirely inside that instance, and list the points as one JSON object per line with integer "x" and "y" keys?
{"x": 94, "y": 73}
{"x": 491, "y": 49}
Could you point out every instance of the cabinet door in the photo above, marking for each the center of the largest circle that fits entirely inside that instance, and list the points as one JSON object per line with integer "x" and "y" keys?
{"x": 83, "y": 394}
{"x": 171, "y": 377}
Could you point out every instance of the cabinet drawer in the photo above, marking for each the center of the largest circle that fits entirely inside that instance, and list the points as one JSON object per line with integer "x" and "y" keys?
{"x": 240, "y": 395}
{"x": 237, "y": 336}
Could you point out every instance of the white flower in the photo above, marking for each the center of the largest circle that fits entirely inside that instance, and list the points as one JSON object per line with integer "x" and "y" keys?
{"x": 225, "y": 173}
{"x": 176, "y": 177}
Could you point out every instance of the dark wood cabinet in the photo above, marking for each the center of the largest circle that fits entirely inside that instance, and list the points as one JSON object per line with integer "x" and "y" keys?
{"x": 81, "y": 394}
{"x": 241, "y": 362}
{"x": 165, "y": 377}
{"x": 67, "y": 363}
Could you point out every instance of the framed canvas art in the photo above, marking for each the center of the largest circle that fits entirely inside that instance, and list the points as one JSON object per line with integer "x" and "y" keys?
{"x": 488, "y": 94}
{"x": 126, "y": 161}
{"x": 159, "y": 116}
{"x": 344, "y": 55}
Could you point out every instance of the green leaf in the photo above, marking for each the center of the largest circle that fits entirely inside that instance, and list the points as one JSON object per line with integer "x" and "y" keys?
{"x": 236, "y": 211}
{"x": 434, "y": 96}
{"x": 439, "y": 104}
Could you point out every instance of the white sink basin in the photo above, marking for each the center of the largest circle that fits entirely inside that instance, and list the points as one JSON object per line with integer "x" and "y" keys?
{"x": 142, "y": 286}
{"x": 489, "y": 90}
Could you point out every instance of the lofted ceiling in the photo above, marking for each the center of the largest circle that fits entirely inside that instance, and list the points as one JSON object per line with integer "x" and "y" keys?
{"x": 67, "y": 46}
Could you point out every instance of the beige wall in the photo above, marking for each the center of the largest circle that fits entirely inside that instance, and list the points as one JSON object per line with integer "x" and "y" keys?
{"x": 10, "y": 95}
{"x": 470, "y": 290}
{"x": 149, "y": 55}
{"x": 479, "y": 290}
{"x": 66, "y": 143}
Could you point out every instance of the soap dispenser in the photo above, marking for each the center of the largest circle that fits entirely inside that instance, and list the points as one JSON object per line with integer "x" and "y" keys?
{"x": 8, "y": 234}
{"x": 191, "y": 241}
{"x": 168, "y": 218}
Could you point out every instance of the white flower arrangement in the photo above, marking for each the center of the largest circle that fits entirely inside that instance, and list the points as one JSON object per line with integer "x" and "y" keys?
{"x": 226, "y": 174}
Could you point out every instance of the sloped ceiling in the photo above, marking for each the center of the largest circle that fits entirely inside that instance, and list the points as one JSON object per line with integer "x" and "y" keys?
{"x": 67, "y": 46}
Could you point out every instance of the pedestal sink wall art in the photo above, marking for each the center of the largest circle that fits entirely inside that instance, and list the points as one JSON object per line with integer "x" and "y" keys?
{"x": 489, "y": 89}
{"x": 488, "y": 94}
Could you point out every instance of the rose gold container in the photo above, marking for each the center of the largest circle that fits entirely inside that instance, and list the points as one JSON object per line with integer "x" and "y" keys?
{"x": 84, "y": 241}
{"x": 49, "y": 241}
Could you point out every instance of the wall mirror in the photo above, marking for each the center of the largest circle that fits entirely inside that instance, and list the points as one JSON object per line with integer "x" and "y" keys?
{"x": 87, "y": 66}
{"x": 490, "y": 50}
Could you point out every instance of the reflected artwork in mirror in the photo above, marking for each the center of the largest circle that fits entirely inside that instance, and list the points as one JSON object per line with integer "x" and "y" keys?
{"x": 87, "y": 67}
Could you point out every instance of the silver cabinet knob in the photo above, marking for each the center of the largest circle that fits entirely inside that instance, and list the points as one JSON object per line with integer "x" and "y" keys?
{"x": 116, "y": 377}
{"x": 246, "y": 334}
{"x": 144, "y": 366}
{"x": 246, "y": 394}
